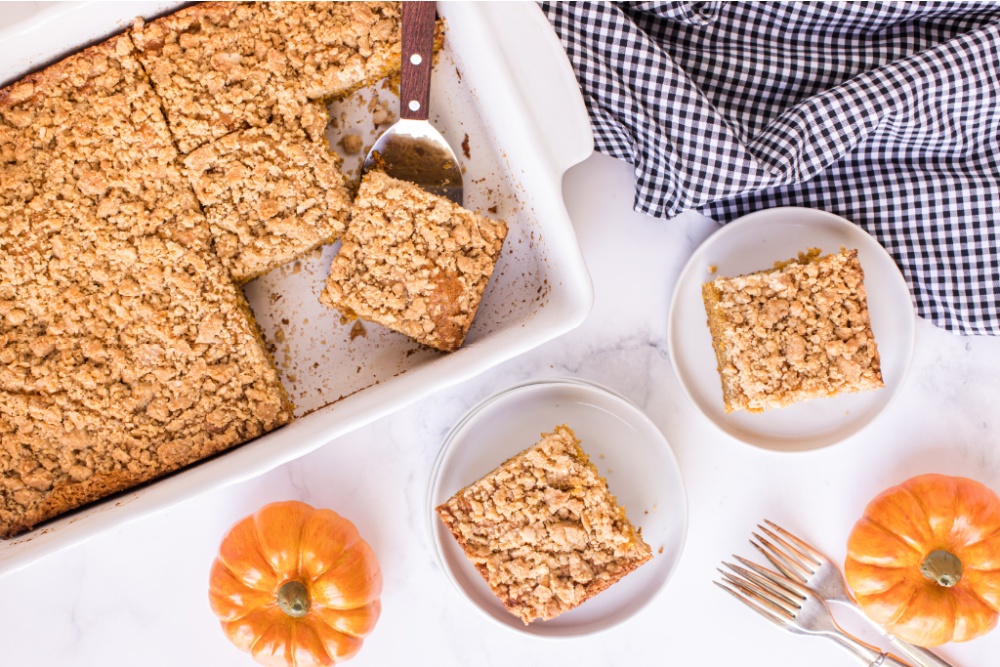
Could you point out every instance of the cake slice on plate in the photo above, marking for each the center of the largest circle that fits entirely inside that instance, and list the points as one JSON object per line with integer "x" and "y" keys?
{"x": 543, "y": 529}
{"x": 796, "y": 332}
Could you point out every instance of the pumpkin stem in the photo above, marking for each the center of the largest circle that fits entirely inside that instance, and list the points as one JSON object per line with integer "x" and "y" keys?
{"x": 293, "y": 599}
{"x": 942, "y": 567}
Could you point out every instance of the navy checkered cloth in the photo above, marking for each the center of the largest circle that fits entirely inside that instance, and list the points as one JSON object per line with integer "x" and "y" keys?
{"x": 887, "y": 114}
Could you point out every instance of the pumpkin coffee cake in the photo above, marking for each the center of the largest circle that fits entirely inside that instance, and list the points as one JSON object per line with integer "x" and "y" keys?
{"x": 270, "y": 194}
{"x": 793, "y": 333}
{"x": 225, "y": 66}
{"x": 413, "y": 262}
{"x": 125, "y": 350}
{"x": 244, "y": 87}
{"x": 543, "y": 529}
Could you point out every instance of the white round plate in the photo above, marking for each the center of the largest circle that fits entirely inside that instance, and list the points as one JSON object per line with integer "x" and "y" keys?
{"x": 628, "y": 450}
{"x": 754, "y": 243}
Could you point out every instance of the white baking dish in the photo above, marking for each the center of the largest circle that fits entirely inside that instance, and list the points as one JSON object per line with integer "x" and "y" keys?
{"x": 504, "y": 81}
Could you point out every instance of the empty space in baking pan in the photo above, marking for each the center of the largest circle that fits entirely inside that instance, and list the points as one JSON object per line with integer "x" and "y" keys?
{"x": 323, "y": 358}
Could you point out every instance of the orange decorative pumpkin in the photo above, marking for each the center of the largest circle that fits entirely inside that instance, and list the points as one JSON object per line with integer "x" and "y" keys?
{"x": 924, "y": 560}
{"x": 296, "y": 586}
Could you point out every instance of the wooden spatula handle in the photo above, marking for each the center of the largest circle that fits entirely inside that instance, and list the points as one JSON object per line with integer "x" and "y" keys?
{"x": 418, "y": 48}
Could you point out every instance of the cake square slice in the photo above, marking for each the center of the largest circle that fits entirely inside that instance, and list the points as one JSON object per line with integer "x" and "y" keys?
{"x": 215, "y": 67}
{"x": 543, "y": 529}
{"x": 796, "y": 332}
{"x": 334, "y": 48}
{"x": 89, "y": 130}
{"x": 226, "y": 66}
{"x": 270, "y": 194}
{"x": 413, "y": 262}
{"x": 120, "y": 361}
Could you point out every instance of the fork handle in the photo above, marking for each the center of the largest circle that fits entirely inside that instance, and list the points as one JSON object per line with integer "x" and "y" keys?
{"x": 920, "y": 656}
{"x": 867, "y": 654}
{"x": 889, "y": 660}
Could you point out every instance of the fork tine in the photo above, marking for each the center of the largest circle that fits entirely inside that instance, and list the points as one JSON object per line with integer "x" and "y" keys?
{"x": 803, "y": 547}
{"x": 790, "y": 551}
{"x": 764, "y": 585}
{"x": 751, "y": 585}
{"x": 776, "y": 603}
{"x": 791, "y": 567}
{"x": 771, "y": 579}
{"x": 753, "y": 604}
{"x": 773, "y": 559}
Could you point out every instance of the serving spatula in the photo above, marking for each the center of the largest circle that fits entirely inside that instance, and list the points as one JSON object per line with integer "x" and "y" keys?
{"x": 412, "y": 149}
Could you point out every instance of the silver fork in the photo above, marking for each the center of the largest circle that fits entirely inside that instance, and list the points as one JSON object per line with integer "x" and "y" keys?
{"x": 794, "y": 607}
{"x": 800, "y": 562}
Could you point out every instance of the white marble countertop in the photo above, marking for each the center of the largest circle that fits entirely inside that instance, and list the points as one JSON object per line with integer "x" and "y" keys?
{"x": 138, "y": 594}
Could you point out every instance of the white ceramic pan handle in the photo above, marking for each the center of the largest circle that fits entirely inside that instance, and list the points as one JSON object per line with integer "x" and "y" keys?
{"x": 558, "y": 107}
{"x": 539, "y": 71}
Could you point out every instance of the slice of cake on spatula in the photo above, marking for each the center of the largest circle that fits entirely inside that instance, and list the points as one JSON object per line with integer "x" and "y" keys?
{"x": 413, "y": 262}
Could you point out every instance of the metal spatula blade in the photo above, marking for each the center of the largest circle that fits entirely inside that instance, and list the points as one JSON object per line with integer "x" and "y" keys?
{"x": 412, "y": 149}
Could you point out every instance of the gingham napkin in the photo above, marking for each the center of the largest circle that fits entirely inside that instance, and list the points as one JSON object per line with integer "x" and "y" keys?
{"x": 885, "y": 113}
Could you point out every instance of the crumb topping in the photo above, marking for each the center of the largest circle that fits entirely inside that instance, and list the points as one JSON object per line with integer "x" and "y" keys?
{"x": 351, "y": 143}
{"x": 125, "y": 350}
{"x": 89, "y": 130}
{"x": 544, "y": 530}
{"x": 413, "y": 262}
{"x": 336, "y": 47}
{"x": 797, "y": 332}
{"x": 214, "y": 68}
{"x": 270, "y": 195}
{"x": 225, "y": 66}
